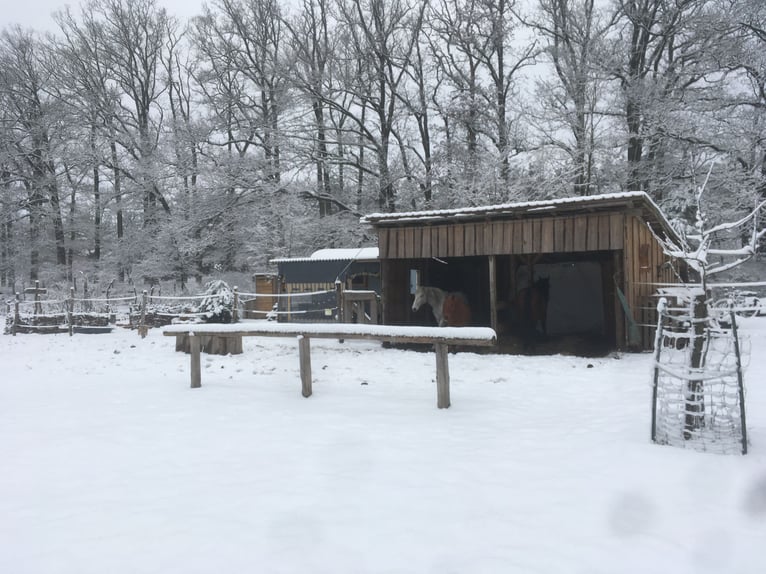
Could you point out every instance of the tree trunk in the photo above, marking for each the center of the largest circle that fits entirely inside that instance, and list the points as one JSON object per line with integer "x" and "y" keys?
{"x": 694, "y": 417}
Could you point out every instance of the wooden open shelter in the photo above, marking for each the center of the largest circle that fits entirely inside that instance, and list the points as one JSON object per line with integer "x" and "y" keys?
{"x": 600, "y": 253}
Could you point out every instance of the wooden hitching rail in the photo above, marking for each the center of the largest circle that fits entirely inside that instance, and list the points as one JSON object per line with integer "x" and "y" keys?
{"x": 439, "y": 337}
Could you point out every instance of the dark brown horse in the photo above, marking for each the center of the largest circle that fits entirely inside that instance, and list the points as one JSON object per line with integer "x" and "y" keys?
{"x": 531, "y": 306}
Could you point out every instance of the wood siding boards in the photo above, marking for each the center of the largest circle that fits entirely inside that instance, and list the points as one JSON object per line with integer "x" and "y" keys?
{"x": 603, "y": 233}
{"x": 443, "y": 241}
{"x": 617, "y": 231}
{"x": 425, "y": 246}
{"x": 546, "y": 241}
{"x": 591, "y": 243}
{"x": 581, "y": 233}
{"x": 622, "y": 233}
{"x": 479, "y": 242}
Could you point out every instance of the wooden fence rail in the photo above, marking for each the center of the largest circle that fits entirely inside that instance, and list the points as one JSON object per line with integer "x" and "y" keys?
{"x": 440, "y": 337}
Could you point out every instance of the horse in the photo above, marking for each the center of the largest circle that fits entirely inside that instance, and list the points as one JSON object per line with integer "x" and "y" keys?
{"x": 531, "y": 306}
{"x": 449, "y": 309}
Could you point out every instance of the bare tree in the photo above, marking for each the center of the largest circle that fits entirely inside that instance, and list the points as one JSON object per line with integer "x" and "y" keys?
{"x": 475, "y": 52}
{"x": 575, "y": 32}
{"x": 254, "y": 31}
{"x": 382, "y": 40}
{"x": 311, "y": 41}
{"x": 30, "y": 123}
{"x": 665, "y": 49}
{"x": 134, "y": 37}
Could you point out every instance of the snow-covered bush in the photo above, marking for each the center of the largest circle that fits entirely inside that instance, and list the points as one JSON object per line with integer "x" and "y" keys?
{"x": 218, "y": 302}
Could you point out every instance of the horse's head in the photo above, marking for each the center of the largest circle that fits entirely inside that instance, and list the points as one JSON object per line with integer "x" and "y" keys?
{"x": 420, "y": 298}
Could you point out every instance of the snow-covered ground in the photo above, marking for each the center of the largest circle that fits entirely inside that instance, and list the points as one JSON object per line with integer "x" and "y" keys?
{"x": 110, "y": 463}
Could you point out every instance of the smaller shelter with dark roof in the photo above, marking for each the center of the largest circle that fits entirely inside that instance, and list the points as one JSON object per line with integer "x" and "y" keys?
{"x": 355, "y": 268}
{"x": 600, "y": 254}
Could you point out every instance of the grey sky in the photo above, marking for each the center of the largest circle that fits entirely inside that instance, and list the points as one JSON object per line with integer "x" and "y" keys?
{"x": 37, "y": 13}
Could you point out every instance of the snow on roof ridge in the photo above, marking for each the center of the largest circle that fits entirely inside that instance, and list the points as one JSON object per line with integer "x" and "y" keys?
{"x": 512, "y": 205}
{"x": 334, "y": 254}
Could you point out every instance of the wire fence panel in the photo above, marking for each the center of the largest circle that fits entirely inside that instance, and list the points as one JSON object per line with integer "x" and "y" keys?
{"x": 698, "y": 389}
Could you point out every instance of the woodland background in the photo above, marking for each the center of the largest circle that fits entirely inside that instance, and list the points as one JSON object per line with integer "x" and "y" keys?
{"x": 137, "y": 147}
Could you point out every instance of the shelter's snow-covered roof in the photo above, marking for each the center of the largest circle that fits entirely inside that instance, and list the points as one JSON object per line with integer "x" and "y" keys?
{"x": 517, "y": 207}
{"x": 347, "y": 254}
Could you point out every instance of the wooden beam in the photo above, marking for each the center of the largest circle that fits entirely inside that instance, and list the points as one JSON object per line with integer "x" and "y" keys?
{"x": 493, "y": 292}
{"x": 442, "y": 376}
{"x": 196, "y": 376}
{"x": 304, "y": 356}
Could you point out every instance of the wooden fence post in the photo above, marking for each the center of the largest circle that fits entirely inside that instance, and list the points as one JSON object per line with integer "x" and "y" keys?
{"x": 196, "y": 373}
{"x": 38, "y": 305}
{"x": 442, "y": 376}
{"x": 304, "y": 356}
{"x": 16, "y": 316}
{"x": 235, "y": 311}
{"x": 339, "y": 299}
{"x": 70, "y": 310}
{"x": 339, "y": 302}
{"x": 142, "y": 328}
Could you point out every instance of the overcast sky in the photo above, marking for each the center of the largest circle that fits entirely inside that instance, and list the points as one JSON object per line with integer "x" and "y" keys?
{"x": 37, "y": 13}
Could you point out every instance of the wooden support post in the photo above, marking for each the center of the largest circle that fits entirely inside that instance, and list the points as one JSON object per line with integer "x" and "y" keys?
{"x": 493, "y": 292}
{"x": 442, "y": 376}
{"x": 196, "y": 374}
{"x": 70, "y": 311}
{"x": 16, "y": 316}
{"x": 304, "y": 353}
{"x": 112, "y": 316}
{"x": 142, "y": 328}
{"x": 374, "y": 310}
{"x": 38, "y": 305}
{"x": 339, "y": 302}
{"x": 235, "y": 310}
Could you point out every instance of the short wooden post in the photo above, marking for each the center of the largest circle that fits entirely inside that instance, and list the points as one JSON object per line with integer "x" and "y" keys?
{"x": 304, "y": 353}
{"x": 108, "y": 304}
{"x": 493, "y": 292}
{"x": 374, "y": 302}
{"x": 70, "y": 310}
{"x": 339, "y": 302}
{"x": 196, "y": 374}
{"x": 142, "y": 328}
{"x": 442, "y": 376}
{"x": 235, "y": 311}
{"x": 16, "y": 316}
{"x": 38, "y": 305}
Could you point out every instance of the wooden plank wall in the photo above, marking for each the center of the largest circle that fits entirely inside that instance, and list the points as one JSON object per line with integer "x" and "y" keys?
{"x": 264, "y": 286}
{"x": 593, "y": 232}
{"x": 623, "y": 232}
{"x": 644, "y": 266}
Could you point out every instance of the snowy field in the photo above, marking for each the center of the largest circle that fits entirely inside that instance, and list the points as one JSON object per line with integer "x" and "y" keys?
{"x": 110, "y": 464}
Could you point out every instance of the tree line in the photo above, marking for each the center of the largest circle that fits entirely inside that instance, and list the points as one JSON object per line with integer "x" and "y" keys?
{"x": 134, "y": 145}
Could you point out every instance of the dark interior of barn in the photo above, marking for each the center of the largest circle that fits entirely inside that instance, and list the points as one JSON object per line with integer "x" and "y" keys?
{"x": 579, "y": 312}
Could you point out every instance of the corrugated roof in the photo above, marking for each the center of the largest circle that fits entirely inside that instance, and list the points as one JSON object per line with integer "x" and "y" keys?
{"x": 348, "y": 254}
{"x": 623, "y": 200}
{"x": 522, "y": 206}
